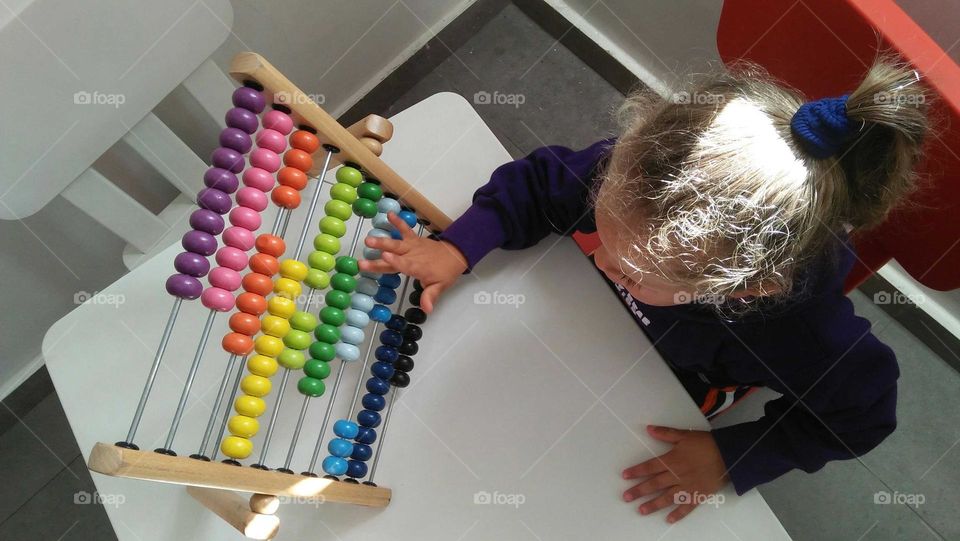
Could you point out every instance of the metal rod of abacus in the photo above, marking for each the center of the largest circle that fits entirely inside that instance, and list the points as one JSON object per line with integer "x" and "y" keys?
{"x": 316, "y": 194}
{"x": 208, "y": 431}
{"x": 363, "y": 369}
{"x": 226, "y": 411}
{"x": 326, "y": 417}
{"x": 296, "y": 434}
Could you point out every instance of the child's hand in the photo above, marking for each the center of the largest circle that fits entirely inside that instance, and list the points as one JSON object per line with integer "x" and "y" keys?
{"x": 692, "y": 470}
{"x": 437, "y": 264}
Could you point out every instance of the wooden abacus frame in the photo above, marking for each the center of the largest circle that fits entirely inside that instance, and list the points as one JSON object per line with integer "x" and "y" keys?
{"x": 215, "y": 484}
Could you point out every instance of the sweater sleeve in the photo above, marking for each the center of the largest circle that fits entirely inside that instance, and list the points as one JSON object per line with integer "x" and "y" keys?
{"x": 843, "y": 408}
{"x": 525, "y": 200}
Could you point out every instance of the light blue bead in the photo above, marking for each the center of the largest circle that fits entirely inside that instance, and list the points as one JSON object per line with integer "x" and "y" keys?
{"x": 388, "y": 204}
{"x": 346, "y": 429}
{"x": 359, "y": 301}
{"x": 380, "y": 313}
{"x": 351, "y": 335}
{"x": 371, "y": 275}
{"x": 340, "y": 447}
{"x": 357, "y": 318}
{"x": 371, "y": 253}
{"x": 380, "y": 221}
{"x": 367, "y": 286}
{"x": 380, "y": 233}
{"x": 347, "y": 352}
{"x": 334, "y": 465}
{"x": 408, "y": 217}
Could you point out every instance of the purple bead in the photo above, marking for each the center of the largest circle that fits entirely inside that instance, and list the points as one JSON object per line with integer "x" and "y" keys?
{"x": 207, "y": 221}
{"x": 183, "y": 286}
{"x": 249, "y": 99}
{"x": 191, "y": 264}
{"x": 221, "y": 179}
{"x": 236, "y": 139}
{"x": 242, "y": 119}
{"x": 229, "y": 159}
{"x": 199, "y": 242}
{"x": 215, "y": 200}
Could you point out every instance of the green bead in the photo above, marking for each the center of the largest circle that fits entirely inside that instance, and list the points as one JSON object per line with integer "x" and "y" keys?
{"x": 349, "y": 175}
{"x": 326, "y": 243}
{"x": 365, "y": 207}
{"x": 348, "y": 265}
{"x": 317, "y": 369}
{"x": 291, "y": 358}
{"x": 317, "y": 279}
{"x": 323, "y": 351}
{"x": 338, "y": 209}
{"x": 369, "y": 190}
{"x": 311, "y": 386}
{"x": 344, "y": 192}
{"x": 333, "y": 226}
{"x": 332, "y": 316}
{"x": 337, "y": 299}
{"x": 303, "y": 321}
{"x": 342, "y": 281}
{"x": 327, "y": 333}
{"x": 297, "y": 339}
{"x": 321, "y": 260}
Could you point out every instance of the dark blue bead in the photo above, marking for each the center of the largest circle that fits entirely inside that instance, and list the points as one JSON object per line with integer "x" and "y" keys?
{"x": 361, "y": 452}
{"x": 369, "y": 419}
{"x": 380, "y": 313}
{"x": 397, "y": 323}
{"x": 378, "y": 386}
{"x": 382, "y": 370}
{"x": 396, "y": 235}
{"x": 356, "y": 469}
{"x": 387, "y": 354}
{"x": 366, "y": 436}
{"x": 385, "y": 295}
{"x": 391, "y": 338}
{"x": 373, "y": 402}
{"x": 391, "y": 280}
{"x": 408, "y": 217}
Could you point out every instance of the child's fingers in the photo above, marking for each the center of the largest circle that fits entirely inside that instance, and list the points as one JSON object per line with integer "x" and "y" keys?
{"x": 680, "y": 512}
{"x": 429, "y": 297}
{"x": 644, "y": 469}
{"x": 664, "y": 500}
{"x": 402, "y": 264}
{"x": 667, "y": 434}
{"x": 389, "y": 245}
{"x": 401, "y": 226}
{"x": 376, "y": 265}
{"x": 650, "y": 486}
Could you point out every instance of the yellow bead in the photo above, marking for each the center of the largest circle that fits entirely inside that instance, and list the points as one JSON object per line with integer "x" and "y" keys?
{"x": 293, "y": 269}
{"x": 235, "y": 447}
{"x": 255, "y": 385}
{"x": 243, "y": 426}
{"x": 286, "y": 287}
{"x": 271, "y": 346}
{"x": 275, "y": 326}
{"x": 281, "y": 306}
{"x": 261, "y": 365}
{"x": 250, "y": 406}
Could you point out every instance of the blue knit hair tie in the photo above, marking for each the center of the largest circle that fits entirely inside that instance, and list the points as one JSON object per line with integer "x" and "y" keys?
{"x": 823, "y": 127}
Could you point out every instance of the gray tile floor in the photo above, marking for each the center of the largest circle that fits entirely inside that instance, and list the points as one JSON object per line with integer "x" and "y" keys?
{"x": 566, "y": 103}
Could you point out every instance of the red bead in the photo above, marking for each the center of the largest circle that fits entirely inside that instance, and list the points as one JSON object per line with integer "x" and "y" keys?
{"x": 260, "y": 284}
{"x": 271, "y": 244}
{"x": 298, "y": 158}
{"x": 292, "y": 177}
{"x": 305, "y": 141}
{"x": 251, "y": 303}
{"x": 237, "y": 343}
{"x": 264, "y": 264}
{"x": 244, "y": 323}
{"x": 286, "y": 197}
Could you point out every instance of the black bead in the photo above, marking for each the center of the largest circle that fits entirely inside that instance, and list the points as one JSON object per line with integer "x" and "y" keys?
{"x": 230, "y": 461}
{"x": 413, "y": 332}
{"x": 197, "y": 456}
{"x": 415, "y": 297}
{"x": 331, "y": 477}
{"x": 433, "y": 236}
{"x": 415, "y": 316}
{"x": 308, "y": 474}
{"x": 162, "y": 451}
{"x": 417, "y": 285}
{"x": 408, "y": 347}
{"x": 403, "y": 364}
{"x": 259, "y": 467}
{"x": 400, "y": 379}
{"x": 285, "y": 470}
{"x": 127, "y": 445}
{"x": 370, "y": 483}
{"x": 351, "y": 480}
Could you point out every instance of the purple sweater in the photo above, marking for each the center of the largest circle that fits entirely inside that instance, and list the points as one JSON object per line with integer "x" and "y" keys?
{"x": 838, "y": 381}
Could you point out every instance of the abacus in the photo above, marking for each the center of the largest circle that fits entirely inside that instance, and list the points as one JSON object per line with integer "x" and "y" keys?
{"x": 272, "y": 325}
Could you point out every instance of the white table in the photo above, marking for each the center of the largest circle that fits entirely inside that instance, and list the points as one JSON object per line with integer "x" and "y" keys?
{"x": 546, "y": 399}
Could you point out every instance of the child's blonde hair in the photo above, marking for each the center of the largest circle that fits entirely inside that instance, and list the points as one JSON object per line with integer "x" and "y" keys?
{"x": 715, "y": 192}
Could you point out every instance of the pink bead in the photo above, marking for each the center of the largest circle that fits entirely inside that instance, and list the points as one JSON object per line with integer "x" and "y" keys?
{"x": 224, "y": 278}
{"x": 238, "y": 237}
{"x": 252, "y": 198}
{"x": 232, "y": 258}
{"x": 260, "y": 179}
{"x": 217, "y": 299}
{"x": 265, "y": 159}
{"x": 246, "y": 218}
{"x": 277, "y": 120}
{"x": 271, "y": 139}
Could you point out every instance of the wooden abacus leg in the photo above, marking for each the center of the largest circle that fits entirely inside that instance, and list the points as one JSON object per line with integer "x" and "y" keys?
{"x": 239, "y": 513}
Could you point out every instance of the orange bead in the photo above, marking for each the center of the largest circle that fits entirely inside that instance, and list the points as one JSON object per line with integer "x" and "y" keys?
{"x": 286, "y": 197}
{"x": 264, "y": 264}
{"x": 260, "y": 284}
{"x": 251, "y": 303}
{"x": 237, "y": 343}
{"x": 271, "y": 245}
{"x": 305, "y": 141}
{"x": 293, "y": 177}
{"x": 243, "y": 323}
{"x": 298, "y": 158}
